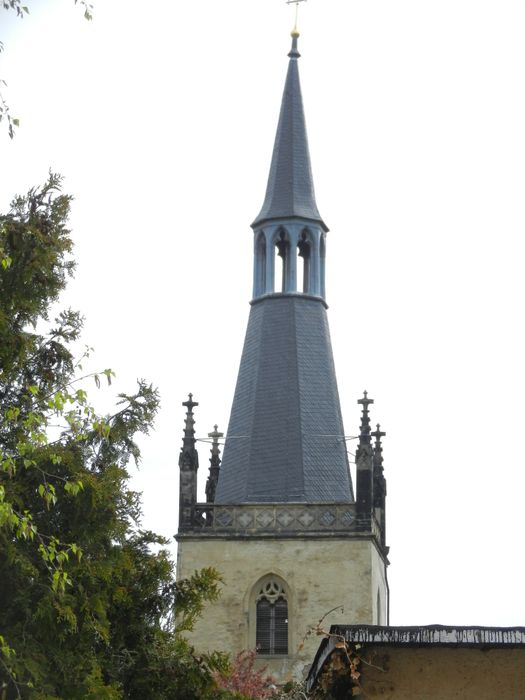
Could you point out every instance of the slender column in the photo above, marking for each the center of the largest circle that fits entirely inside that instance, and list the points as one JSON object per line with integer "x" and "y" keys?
{"x": 322, "y": 265}
{"x": 257, "y": 286}
{"x": 290, "y": 271}
{"x": 270, "y": 262}
{"x": 314, "y": 267}
{"x": 307, "y": 271}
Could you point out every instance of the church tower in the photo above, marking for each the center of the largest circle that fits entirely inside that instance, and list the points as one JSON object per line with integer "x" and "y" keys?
{"x": 280, "y": 521}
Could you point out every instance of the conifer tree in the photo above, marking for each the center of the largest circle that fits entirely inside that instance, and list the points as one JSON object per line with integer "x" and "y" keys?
{"x": 86, "y": 606}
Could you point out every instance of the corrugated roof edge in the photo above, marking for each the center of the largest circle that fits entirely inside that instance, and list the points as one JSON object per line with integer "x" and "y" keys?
{"x": 429, "y": 635}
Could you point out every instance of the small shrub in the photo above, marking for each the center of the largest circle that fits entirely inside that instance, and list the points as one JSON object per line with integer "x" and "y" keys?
{"x": 245, "y": 679}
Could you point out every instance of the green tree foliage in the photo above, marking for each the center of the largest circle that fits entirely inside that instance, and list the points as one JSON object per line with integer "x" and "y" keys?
{"x": 86, "y": 606}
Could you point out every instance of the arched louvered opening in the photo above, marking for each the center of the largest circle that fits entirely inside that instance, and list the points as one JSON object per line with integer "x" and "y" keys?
{"x": 271, "y": 635}
{"x": 303, "y": 270}
{"x": 281, "y": 261}
{"x": 378, "y": 608}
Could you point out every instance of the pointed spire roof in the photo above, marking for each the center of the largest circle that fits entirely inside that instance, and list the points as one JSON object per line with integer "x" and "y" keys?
{"x": 290, "y": 189}
{"x": 285, "y": 440}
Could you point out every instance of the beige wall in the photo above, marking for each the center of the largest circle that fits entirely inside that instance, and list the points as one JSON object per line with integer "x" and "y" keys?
{"x": 379, "y": 590}
{"x": 319, "y": 574}
{"x": 445, "y": 673}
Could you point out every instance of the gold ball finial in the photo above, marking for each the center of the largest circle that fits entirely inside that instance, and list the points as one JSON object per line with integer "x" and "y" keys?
{"x": 295, "y": 32}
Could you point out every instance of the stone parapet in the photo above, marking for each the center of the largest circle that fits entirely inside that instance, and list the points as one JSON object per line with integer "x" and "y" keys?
{"x": 273, "y": 519}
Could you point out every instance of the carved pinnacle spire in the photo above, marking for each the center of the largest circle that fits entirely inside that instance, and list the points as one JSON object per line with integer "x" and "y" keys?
{"x": 364, "y": 436}
{"x": 215, "y": 465}
{"x": 189, "y": 465}
{"x": 188, "y": 457}
{"x": 378, "y": 448}
{"x": 215, "y": 459}
{"x": 379, "y": 483}
{"x": 364, "y": 461}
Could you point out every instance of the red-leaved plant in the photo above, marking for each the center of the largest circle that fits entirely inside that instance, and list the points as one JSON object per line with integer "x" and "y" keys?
{"x": 245, "y": 679}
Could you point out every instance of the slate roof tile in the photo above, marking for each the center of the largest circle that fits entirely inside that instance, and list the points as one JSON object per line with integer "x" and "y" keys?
{"x": 285, "y": 436}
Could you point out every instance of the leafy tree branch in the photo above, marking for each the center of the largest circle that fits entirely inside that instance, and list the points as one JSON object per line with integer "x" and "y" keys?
{"x": 21, "y": 11}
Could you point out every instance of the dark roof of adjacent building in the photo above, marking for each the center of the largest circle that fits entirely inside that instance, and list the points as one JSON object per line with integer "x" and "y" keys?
{"x": 285, "y": 441}
{"x": 424, "y": 636}
{"x": 290, "y": 189}
{"x": 431, "y": 635}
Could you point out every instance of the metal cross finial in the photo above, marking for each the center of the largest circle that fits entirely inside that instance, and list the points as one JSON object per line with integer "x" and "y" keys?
{"x": 296, "y": 3}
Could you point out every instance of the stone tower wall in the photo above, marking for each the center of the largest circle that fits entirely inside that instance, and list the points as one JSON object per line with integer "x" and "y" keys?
{"x": 318, "y": 573}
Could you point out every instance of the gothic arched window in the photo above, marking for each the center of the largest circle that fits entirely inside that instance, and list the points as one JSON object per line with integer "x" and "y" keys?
{"x": 282, "y": 261}
{"x": 260, "y": 283}
{"x": 271, "y": 605}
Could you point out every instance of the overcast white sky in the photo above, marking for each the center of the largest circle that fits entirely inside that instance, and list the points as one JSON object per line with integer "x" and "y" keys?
{"x": 161, "y": 116}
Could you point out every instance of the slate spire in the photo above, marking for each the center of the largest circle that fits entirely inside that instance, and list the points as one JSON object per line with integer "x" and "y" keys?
{"x": 290, "y": 189}
{"x": 285, "y": 439}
